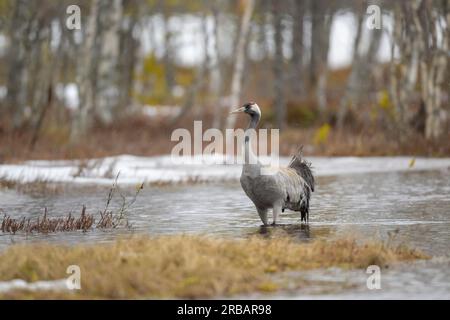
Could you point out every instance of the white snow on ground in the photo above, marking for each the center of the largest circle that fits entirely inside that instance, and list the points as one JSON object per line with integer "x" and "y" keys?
{"x": 163, "y": 169}
{"x": 19, "y": 284}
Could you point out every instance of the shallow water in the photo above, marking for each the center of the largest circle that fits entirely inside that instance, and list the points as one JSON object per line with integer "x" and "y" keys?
{"x": 412, "y": 207}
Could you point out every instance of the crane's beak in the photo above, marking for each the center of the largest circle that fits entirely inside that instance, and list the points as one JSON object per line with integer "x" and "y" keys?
{"x": 242, "y": 109}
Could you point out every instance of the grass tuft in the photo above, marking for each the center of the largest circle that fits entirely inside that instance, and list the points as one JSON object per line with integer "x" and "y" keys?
{"x": 44, "y": 224}
{"x": 187, "y": 266}
{"x": 109, "y": 219}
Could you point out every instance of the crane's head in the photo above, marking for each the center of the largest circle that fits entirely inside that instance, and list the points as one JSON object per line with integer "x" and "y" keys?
{"x": 251, "y": 108}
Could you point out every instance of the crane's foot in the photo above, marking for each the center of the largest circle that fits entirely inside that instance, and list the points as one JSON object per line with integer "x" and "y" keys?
{"x": 304, "y": 218}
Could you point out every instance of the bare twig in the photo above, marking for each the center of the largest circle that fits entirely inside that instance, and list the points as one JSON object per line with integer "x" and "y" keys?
{"x": 109, "y": 219}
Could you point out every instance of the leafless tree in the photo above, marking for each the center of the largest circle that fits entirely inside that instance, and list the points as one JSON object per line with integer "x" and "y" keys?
{"x": 82, "y": 118}
{"x": 236, "y": 82}
{"x": 363, "y": 62}
{"x": 18, "y": 59}
{"x": 422, "y": 55}
{"x": 299, "y": 8}
{"x": 279, "y": 98}
{"x": 108, "y": 76}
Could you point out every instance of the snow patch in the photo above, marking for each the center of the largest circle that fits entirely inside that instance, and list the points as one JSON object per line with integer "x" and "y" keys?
{"x": 163, "y": 169}
{"x": 19, "y": 284}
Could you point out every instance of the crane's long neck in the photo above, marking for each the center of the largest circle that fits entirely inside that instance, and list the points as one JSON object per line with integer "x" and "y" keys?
{"x": 249, "y": 157}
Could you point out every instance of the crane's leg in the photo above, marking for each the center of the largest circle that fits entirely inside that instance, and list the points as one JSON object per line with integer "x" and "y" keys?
{"x": 263, "y": 215}
{"x": 276, "y": 212}
{"x": 304, "y": 216}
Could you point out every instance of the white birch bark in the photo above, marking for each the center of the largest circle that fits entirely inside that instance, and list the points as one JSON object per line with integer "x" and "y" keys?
{"x": 279, "y": 99}
{"x": 17, "y": 58}
{"x": 236, "y": 82}
{"x": 81, "y": 120}
{"x": 108, "y": 77}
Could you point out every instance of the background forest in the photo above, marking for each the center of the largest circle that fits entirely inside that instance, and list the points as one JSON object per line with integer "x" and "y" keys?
{"x": 136, "y": 70}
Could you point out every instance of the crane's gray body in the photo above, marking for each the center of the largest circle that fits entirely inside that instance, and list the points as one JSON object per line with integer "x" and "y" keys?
{"x": 289, "y": 188}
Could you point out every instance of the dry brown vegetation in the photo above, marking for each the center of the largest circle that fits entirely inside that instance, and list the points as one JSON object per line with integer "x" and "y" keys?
{"x": 46, "y": 224}
{"x": 372, "y": 106}
{"x": 369, "y": 130}
{"x": 149, "y": 137}
{"x": 187, "y": 266}
{"x": 43, "y": 224}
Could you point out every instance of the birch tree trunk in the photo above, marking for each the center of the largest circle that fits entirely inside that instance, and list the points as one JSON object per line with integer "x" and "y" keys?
{"x": 129, "y": 53}
{"x": 108, "y": 77}
{"x": 321, "y": 19}
{"x": 442, "y": 79}
{"x": 82, "y": 118}
{"x": 393, "y": 79}
{"x": 315, "y": 31}
{"x": 169, "y": 72}
{"x": 434, "y": 63}
{"x": 407, "y": 65}
{"x": 359, "y": 82}
{"x": 279, "y": 103}
{"x": 216, "y": 83}
{"x": 324, "y": 41}
{"x": 236, "y": 82}
{"x": 416, "y": 29}
{"x": 297, "y": 46}
{"x": 17, "y": 80}
{"x": 41, "y": 92}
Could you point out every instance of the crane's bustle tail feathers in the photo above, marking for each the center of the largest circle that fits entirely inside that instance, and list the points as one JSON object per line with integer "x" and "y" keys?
{"x": 303, "y": 168}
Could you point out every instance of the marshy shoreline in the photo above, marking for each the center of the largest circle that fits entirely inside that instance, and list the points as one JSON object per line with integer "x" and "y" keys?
{"x": 188, "y": 266}
{"x": 202, "y": 238}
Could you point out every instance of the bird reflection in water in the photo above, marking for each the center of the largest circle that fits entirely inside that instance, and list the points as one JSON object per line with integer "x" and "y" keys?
{"x": 297, "y": 231}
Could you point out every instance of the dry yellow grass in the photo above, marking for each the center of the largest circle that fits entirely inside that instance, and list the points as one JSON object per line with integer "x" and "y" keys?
{"x": 186, "y": 266}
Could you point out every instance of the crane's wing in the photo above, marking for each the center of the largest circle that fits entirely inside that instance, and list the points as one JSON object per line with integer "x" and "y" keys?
{"x": 303, "y": 168}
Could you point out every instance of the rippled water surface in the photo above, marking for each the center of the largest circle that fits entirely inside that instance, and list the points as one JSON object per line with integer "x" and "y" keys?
{"x": 415, "y": 206}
